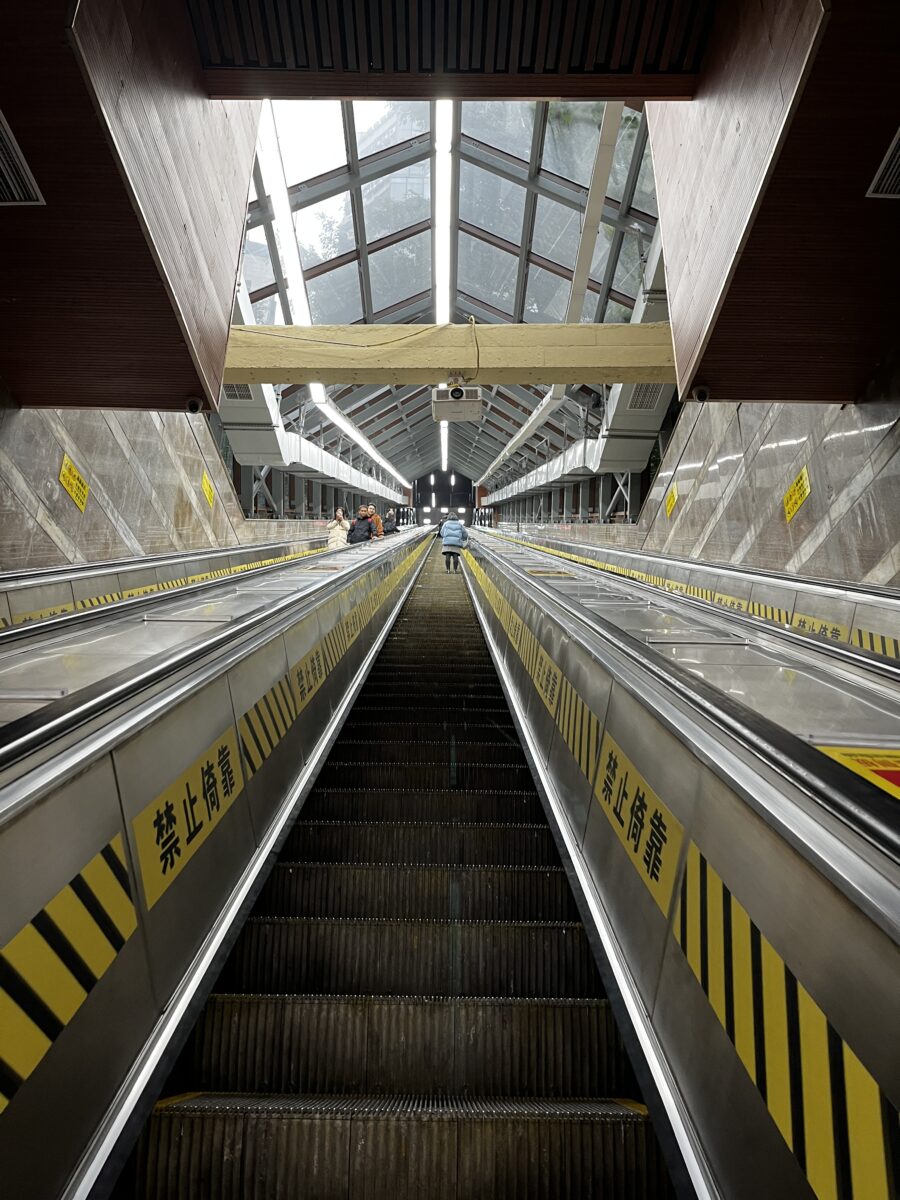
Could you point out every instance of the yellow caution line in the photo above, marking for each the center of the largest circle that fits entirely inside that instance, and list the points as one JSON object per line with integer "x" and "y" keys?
{"x": 827, "y": 1106}
{"x": 50, "y": 967}
{"x": 874, "y": 641}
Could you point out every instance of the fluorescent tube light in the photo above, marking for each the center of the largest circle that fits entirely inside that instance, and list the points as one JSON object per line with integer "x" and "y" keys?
{"x": 443, "y": 169}
{"x": 444, "y": 437}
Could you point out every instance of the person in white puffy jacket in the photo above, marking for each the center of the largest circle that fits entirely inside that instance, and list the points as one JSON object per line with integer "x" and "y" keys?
{"x": 337, "y": 530}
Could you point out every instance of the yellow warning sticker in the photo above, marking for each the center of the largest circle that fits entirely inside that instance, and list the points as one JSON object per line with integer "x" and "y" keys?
{"x": 642, "y": 823}
{"x": 796, "y": 494}
{"x": 41, "y": 614}
{"x": 74, "y": 482}
{"x": 832, "y": 630}
{"x": 207, "y": 488}
{"x": 671, "y": 498}
{"x": 173, "y": 827}
{"x": 879, "y": 766}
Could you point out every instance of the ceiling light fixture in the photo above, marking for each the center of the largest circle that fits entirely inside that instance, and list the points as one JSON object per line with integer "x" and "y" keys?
{"x": 444, "y": 436}
{"x": 443, "y": 170}
{"x": 330, "y": 410}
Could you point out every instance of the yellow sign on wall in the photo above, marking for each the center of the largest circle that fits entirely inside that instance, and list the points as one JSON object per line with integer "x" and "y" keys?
{"x": 173, "y": 827}
{"x": 207, "y": 487}
{"x": 74, "y": 482}
{"x": 796, "y": 494}
{"x": 671, "y": 498}
{"x": 643, "y": 824}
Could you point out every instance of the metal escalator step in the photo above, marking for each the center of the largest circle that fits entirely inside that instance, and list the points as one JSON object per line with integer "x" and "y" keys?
{"x": 425, "y": 843}
{"x": 426, "y": 1046}
{"x": 412, "y": 958}
{"x": 232, "y": 1147}
{"x": 427, "y": 751}
{"x": 424, "y": 684}
{"x": 475, "y": 730}
{"x": 464, "y": 893}
{"x": 397, "y": 804}
{"x": 514, "y": 775}
{"x": 431, "y": 711}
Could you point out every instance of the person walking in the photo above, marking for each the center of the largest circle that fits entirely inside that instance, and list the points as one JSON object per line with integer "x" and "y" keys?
{"x": 376, "y": 521}
{"x": 362, "y": 529}
{"x": 455, "y": 539}
{"x": 337, "y": 531}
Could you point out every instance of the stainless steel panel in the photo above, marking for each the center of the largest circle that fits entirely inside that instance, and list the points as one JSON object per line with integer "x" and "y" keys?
{"x": 95, "y": 585}
{"x": 778, "y": 597}
{"x": 145, "y": 767}
{"x": 70, "y": 1087}
{"x": 47, "y": 597}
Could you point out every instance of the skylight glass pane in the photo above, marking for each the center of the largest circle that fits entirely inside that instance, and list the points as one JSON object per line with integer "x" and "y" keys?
{"x": 401, "y": 271}
{"x": 617, "y": 314}
{"x": 258, "y": 270}
{"x": 334, "y": 298}
{"x": 601, "y": 252}
{"x": 645, "y": 192}
{"x": 628, "y": 269}
{"x": 546, "y": 296}
{"x": 557, "y": 232}
{"x": 268, "y": 311}
{"x": 490, "y": 202}
{"x": 487, "y": 273}
{"x": 508, "y": 125}
{"x": 325, "y": 230}
{"x": 573, "y": 133}
{"x": 310, "y": 137}
{"x": 384, "y": 123}
{"x": 397, "y": 200}
{"x": 589, "y": 312}
{"x": 624, "y": 150}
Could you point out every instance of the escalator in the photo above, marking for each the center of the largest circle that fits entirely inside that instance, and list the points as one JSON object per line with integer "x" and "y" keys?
{"x": 412, "y": 1008}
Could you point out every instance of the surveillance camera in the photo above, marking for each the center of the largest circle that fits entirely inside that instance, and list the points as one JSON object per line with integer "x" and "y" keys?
{"x": 194, "y": 405}
{"x": 701, "y": 393}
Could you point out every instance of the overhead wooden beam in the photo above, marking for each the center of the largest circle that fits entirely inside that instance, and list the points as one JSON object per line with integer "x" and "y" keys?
{"x": 428, "y": 354}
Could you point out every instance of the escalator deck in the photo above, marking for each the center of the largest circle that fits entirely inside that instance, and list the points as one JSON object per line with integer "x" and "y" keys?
{"x": 412, "y": 1009}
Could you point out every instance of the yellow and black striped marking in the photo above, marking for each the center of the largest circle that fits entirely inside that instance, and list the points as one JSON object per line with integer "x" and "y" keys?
{"x": 828, "y": 1108}
{"x": 97, "y": 601}
{"x": 50, "y": 967}
{"x": 769, "y": 612}
{"x": 264, "y": 725}
{"x": 877, "y": 643}
{"x": 580, "y": 727}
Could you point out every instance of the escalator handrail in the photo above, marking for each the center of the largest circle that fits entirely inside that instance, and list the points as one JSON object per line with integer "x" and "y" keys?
{"x": 35, "y": 732}
{"x": 865, "y": 809}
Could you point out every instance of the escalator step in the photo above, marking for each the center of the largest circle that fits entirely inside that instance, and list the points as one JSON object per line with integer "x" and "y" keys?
{"x": 492, "y": 733}
{"x": 232, "y": 1147}
{"x": 412, "y": 958}
{"x": 436, "y": 842}
{"x": 394, "y": 804}
{"x": 513, "y": 775}
{"x": 440, "y": 893}
{"x": 426, "y": 1046}
{"x": 447, "y": 749}
{"x": 431, "y": 711}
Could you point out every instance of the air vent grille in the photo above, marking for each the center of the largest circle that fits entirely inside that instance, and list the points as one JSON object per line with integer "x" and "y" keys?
{"x": 238, "y": 391}
{"x": 886, "y": 184}
{"x": 17, "y": 184}
{"x": 645, "y": 396}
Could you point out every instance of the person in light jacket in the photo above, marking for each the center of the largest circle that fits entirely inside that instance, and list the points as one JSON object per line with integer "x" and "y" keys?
{"x": 455, "y": 538}
{"x": 337, "y": 530}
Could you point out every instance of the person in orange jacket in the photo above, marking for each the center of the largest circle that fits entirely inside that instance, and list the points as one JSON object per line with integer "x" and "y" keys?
{"x": 374, "y": 517}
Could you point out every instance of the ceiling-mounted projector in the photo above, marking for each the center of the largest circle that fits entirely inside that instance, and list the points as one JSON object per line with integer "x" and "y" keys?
{"x": 457, "y": 403}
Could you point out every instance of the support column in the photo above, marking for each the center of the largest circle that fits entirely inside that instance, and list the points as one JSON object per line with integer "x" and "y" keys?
{"x": 634, "y": 495}
{"x": 317, "y": 500}
{"x": 607, "y": 491}
{"x": 568, "y": 497}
